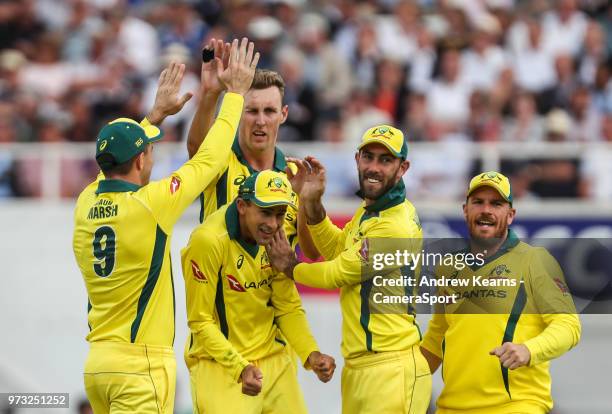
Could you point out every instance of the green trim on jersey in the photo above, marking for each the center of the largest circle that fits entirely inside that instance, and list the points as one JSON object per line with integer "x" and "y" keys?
{"x": 233, "y": 230}
{"x": 394, "y": 196}
{"x": 511, "y": 241}
{"x": 220, "y": 306}
{"x": 515, "y": 314}
{"x": 364, "y": 319}
{"x": 221, "y": 191}
{"x": 154, "y": 270}
{"x": 279, "y": 157}
{"x": 116, "y": 186}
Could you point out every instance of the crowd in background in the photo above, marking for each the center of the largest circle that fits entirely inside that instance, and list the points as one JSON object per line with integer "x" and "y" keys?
{"x": 446, "y": 71}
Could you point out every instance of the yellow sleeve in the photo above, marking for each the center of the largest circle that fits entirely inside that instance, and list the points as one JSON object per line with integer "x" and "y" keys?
{"x": 327, "y": 237}
{"x": 436, "y": 329}
{"x": 346, "y": 268}
{"x": 202, "y": 258}
{"x": 169, "y": 197}
{"x": 291, "y": 318}
{"x": 556, "y": 307}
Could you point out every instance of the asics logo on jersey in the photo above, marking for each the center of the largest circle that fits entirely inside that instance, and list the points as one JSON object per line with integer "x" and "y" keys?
{"x": 240, "y": 261}
{"x": 234, "y": 284}
{"x": 239, "y": 180}
{"x": 197, "y": 273}
{"x": 175, "y": 184}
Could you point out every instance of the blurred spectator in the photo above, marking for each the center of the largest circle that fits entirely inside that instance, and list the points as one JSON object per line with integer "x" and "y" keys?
{"x": 564, "y": 28}
{"x": 524, "y": 124}
{"x": 137, "y": 40}
{"x": 389, "y": 89}
{"x": 533, "y": 64}
{"x": 586, "y": 125}
{"x": 366, "y": 54}
{"x": 484, "y": 61}
{"x": 566, "y": 83}
{"x": 416, "y": 118}
{"x": 449, "y": 95}
{"x": 555, "y": 177}
{"x": 184, "y": 26}
{"x": 484, "y": 123}
{"x": 360, "y": 114}
{"x": 594, "y": 52}
{"x": 397, "y": 34}
{"x": 265, "y": 32}
{"x": 79, "y": 32}
{"x": 602, "y": 88}
{"x": 299, "y": 97}
{"x": 596, "y": 171}
{"x": 324, "y": 68}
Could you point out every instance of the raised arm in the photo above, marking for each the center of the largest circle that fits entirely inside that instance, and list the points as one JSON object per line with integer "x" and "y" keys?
{"x": 210, "y": 91}
{"x": 168, "y": 198}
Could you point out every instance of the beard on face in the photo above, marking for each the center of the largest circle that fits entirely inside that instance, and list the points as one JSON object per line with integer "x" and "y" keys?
{"x": 375, "y": 194}
{"x": 501, "y": 228}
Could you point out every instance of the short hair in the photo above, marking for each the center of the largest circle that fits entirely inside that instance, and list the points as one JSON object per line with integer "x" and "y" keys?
{"x": 265, "y": 78}
{"x": 106, "y": 162}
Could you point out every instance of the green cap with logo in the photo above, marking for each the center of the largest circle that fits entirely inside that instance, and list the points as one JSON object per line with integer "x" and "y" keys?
{"x": 390, "y": 137}
{"x": 268, "y": 188}
{"x": 495, "y": 180}
{"x": 122, "y": 139}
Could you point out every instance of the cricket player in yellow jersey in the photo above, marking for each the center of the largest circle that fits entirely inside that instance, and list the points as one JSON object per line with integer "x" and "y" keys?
{"x": 254, "y": 149}
{"x": 384, "y": 370}
{"x": 238, "y": 306}
{"x": 123, "y": 225}
{"x": 496, "y": 342}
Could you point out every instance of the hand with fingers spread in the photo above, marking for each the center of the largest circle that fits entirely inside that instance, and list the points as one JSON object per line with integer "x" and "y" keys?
{"x": 309, "y": 179}
{"x": 323, "y": 365}
{"x": 210, "y": 82}
{"x": 252, "y": 380}
{"x": 237, "y": 77}
{"x": 281, "y": 255}
{"x": 512, "y": 356}
{"x": 167, "y": 101}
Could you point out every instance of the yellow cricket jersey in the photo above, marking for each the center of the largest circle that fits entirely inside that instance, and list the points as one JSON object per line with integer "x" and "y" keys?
{"x": 391, "y": 216}
{"x": 223, "y": 188}
{"x": 237, "y": 305}
{"x": 526, "y": 302}
{"x": 122, "y": 236}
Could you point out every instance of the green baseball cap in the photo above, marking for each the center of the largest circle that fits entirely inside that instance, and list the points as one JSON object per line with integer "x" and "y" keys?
{"x": 268, "y": 188}
{"x": 390, "y": 137}
{"x": 122, "y": 139}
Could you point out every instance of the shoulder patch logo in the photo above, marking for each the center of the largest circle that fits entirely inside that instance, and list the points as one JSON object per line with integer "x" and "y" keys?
{"x": 562, "y": 286}
{"x": 197, "y": 273}
{"x": 175, "y": 184}
{"x": 234, "y": 284}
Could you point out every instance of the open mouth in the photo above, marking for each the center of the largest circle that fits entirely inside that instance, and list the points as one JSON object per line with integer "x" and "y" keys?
{"x": 485, "y": 223}
{"x": 259, "y": 133}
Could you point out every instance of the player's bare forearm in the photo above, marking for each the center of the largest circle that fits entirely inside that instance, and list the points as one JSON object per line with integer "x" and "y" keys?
{"x": 306, "y": 243}
{"x": 202, "y": 121}
{"x": 315, "y": 212}
{"x": 432, "y": 360}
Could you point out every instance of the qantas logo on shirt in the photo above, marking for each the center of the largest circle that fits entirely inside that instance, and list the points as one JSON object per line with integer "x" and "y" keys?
{"x": 197, "y": 273}
{"x": 234, "y": 284}
{"x": 175, "y": 184}
{"x": 562, "y": 286}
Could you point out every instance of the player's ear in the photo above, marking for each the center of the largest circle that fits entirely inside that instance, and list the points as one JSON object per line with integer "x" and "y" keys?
{"x": 140, "y": 161}
{"x": 241, "y": 206}
{"x": 404, "y": 166}
{"x": 284, "y": 113}
{"x": 465, "y": 216}
{"x": 511, "y": 214}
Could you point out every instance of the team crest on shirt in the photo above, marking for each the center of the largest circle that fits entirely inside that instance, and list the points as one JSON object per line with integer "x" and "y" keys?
{"x": 234, "y": 284}
{"x": 175, "y": 184}
{"x": 500, "y": 270}
{"x": 198, "y": 276}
